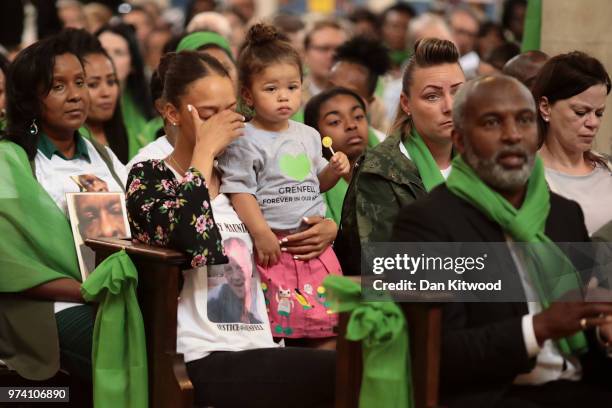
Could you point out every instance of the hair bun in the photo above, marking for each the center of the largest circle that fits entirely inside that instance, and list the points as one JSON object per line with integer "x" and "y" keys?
{"x": 262, "y": 33}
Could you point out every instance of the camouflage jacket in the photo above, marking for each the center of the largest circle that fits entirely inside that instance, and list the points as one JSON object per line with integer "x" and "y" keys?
{"x": 383, "y": 182}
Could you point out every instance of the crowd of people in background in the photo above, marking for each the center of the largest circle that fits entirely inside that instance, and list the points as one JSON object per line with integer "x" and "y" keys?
{"x": 211, "y": 119}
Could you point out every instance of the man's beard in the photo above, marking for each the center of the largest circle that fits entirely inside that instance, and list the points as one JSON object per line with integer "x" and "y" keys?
{"x": 494, "y": 174}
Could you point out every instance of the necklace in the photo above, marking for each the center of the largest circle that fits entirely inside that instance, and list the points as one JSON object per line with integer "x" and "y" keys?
{"x": 178, "y": 167}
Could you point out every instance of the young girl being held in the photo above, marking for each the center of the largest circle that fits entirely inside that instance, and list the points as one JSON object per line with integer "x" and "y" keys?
{"x": 275, "y": 175}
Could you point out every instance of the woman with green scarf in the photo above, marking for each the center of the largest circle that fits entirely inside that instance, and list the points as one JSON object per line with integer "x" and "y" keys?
{"x": 409, "y": 163}
{"x": 340, "y": 114}
{"x": 46, "y": 316}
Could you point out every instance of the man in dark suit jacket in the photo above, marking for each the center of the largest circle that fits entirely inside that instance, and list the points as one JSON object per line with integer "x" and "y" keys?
{"x": 503, "y": 354}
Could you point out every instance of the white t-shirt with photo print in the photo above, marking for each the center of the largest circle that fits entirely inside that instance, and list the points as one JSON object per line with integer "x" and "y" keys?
{"x": 222, "y": 307}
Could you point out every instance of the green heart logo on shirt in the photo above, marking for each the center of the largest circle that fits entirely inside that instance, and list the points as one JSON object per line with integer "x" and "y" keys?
{"x": 295, "y": 167}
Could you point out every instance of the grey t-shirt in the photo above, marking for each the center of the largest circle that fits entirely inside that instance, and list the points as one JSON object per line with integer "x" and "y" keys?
{"x": 592, "y": 191}
{"x": 280, "y": 169}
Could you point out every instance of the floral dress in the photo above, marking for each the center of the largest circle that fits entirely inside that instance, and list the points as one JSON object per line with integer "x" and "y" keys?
{"x": 172, "y": 213}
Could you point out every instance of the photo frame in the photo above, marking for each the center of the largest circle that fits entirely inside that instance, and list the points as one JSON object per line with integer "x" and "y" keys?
{"x": 95, "y": 215}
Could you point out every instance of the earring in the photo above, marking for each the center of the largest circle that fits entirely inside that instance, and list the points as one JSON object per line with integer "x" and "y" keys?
{"x": 33, "y": 129}
{"x": 173, "y": 123}
{"x": 546, "y": 119}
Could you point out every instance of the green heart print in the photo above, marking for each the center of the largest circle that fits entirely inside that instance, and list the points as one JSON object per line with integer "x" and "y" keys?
{"x": 295, "y": 167}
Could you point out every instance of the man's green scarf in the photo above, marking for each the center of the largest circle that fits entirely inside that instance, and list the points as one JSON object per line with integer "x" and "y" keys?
{"x": 381, "y": 327}
{"x": 38, "y": 247}
{"x": 550, "y": 270}
{"x": 334, "y": 199}
{"x": 423, "y": 160}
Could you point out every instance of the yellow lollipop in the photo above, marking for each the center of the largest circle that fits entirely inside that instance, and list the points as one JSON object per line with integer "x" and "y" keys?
{"x": 327, "y": 142}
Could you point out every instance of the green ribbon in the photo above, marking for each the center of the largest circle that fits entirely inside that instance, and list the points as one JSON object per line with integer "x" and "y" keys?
{"x": 381, "y": 327}
{"x": 334, "y": 199}
{"x": 423, "y": 160}
{"x": 201, "y": 38}
{"x": 552, "y": 274}
{"x": 119, "y": 352}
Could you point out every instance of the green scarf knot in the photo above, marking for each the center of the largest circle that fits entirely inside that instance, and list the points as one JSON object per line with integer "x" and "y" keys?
{"x": 552, "y": 273}
{"x": 381, "y": 327}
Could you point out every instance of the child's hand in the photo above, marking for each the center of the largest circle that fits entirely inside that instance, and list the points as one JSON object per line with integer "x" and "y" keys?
{"x": 267, "y": 248}
{"x": 340, "y": 164}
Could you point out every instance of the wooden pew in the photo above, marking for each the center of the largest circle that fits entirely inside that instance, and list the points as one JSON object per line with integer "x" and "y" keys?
{"x": 159, "y": 277}
{"x": 424, "y": 322}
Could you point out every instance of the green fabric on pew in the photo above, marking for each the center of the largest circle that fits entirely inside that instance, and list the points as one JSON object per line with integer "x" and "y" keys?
{"x": 119, "y": 352}
{"x": 381, "y": 327}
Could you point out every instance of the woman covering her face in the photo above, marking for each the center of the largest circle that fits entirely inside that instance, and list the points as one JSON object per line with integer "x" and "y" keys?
{"x": 223, "y": 329}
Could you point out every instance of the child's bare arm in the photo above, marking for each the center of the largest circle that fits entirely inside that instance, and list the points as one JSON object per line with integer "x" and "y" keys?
{"x": 266, "y": 243}
{"x": 338, "y": 166}
{"x": 327, "y": 179}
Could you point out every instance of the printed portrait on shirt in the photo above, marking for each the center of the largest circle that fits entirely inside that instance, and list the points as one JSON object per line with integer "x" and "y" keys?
{"x": 96, "y": 215}
{"x": 231, "y": 296}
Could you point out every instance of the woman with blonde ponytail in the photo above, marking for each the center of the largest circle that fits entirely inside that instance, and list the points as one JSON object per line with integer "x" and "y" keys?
{"x": 414, "y": 159}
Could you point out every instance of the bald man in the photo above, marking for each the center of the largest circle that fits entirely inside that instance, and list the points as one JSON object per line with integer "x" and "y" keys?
{"x": 508, "y": 354}
{"x": 525, "y": 66}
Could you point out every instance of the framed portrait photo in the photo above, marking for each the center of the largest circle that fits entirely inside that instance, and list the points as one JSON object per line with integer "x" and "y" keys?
{"x": 96, "y": 215}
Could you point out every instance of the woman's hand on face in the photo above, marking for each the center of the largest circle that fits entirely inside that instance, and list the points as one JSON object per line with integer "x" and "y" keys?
{"x": 312, "y": 242}
{"x": 217, "y": 132}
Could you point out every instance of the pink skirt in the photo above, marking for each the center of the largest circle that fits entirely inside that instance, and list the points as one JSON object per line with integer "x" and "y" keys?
{"x": 295, "y": 297}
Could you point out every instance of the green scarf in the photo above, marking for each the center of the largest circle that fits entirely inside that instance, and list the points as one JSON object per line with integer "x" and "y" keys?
{"x": 152, "y": 127}
{"x": 551, "y": 272}
{"x": 38, "y": 248}
{"x": 298, "y": 116}
{"x": 372, "y": 138}
{"x": 381, "y": 327}
{"x": 27, "y": 214}
{"x": 28, "y": 256}
{"x": 398, "y": 57}
{"x": 119, "y": 352}
{"x": 334, "y": 198}
{"x": 135, "y": 124}
{"x": 423, "y": 160}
